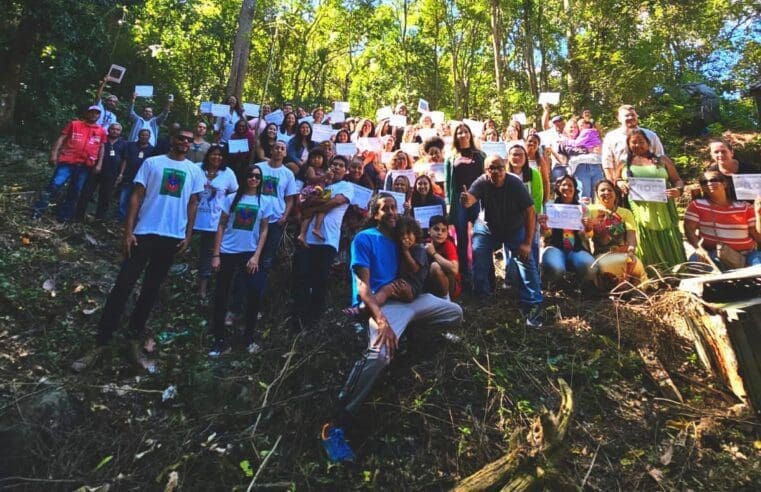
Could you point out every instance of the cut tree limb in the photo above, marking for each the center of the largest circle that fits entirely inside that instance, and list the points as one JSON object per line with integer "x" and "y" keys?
{"x": 517, "y": 470}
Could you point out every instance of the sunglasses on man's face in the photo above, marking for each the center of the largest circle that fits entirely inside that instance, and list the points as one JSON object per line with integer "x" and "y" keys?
{"x": 712, "y": 180}
{"x": 496, "y": 168}
{"x": 183, "y": 138}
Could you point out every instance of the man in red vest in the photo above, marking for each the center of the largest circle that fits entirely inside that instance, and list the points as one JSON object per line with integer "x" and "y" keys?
{"x": 77, "y": 152}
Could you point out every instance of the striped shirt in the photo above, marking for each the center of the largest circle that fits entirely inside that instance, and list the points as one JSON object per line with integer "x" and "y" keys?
{"x": 727, "y": 224}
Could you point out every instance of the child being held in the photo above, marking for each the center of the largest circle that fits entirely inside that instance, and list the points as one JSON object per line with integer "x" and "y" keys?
{"x": 588, "y": 141}
{"x": 413, "y": 270}
{"x": 316, "y": 178}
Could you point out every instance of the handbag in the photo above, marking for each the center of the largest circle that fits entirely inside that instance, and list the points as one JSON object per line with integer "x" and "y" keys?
{"x": 729, "y": 257}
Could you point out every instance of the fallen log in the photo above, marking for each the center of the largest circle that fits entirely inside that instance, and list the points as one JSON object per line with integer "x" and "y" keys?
{"x": 522, "y": 466}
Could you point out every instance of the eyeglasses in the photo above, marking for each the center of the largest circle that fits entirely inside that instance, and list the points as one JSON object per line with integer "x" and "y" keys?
{"x": 254, "y": 176}
{"x": 712, "y": 180}
{"x": 184, "y": 138}
{"x": 496, "y": 168}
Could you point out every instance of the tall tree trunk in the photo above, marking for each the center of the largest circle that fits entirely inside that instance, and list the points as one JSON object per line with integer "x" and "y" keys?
{"x": 496, "y": 36}
{"x": 406, "y": 51}
{"x": 528, "y": 45}
{"x": 571, "y": 73}
{"x": 241, "y": 49}
{"x": 21, "y": 47}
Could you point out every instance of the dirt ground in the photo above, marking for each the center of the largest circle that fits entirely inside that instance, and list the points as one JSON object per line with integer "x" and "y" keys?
{"x": 445, "y": 408}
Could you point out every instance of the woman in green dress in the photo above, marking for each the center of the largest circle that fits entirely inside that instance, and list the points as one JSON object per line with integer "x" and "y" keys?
{"x": 660, "y": 241}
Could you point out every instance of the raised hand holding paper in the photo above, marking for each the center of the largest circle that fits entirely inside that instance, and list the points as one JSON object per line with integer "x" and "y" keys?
{"x": 563, "y": 216}
{"x": 144, "y": 90}
{"x": 647, "y": 190}
{"x": 407, "y": 173}
{"x": 115, "y": 73}
{"x": 549, "y": 98}
{"x": 422, "y": 106}
{"x": 205, "y": 107}
{"x": 370, "y": 144}
{"x": 747, "y": 186}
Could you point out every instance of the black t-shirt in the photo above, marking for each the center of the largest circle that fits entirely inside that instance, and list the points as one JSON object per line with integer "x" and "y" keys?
{"x": 466, "y": 168}
{"x": 502, "y": 208}
{"x": 113, "y": 155}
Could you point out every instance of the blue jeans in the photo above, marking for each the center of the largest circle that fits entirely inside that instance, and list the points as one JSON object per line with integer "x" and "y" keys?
{"x": 125, "y": 193}
{"x": 556, "y": 262}
{"x": 484, "y": 245}
{"x": 587, "y": 175}
{"x": 461, "y": 218}
{"x": 753, "y": 258}
{"x": 76, "y": 176}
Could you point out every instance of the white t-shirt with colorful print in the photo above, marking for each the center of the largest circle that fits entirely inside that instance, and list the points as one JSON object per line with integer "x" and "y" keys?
{"x": 242, "y": 232}
{"x": 169, "y": 184}
{"x": 278, "y": 183}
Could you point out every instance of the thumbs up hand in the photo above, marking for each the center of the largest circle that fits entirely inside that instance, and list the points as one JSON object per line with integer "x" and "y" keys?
{"x": 466, "y": 199}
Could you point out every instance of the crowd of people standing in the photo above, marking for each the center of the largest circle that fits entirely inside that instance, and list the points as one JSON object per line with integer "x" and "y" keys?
{"x": 419, "y": 210}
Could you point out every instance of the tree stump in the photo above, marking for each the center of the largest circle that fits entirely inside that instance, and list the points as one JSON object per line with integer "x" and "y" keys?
{"x": 521, "y": 467}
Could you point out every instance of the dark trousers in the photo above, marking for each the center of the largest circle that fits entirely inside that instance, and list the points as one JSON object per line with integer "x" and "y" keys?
{"x": 74, "y": 174}
{"x": 155, "y": 252}
{"x": 230, "y": 264}
{"x": 105, "y": 186}
{"x": 311, "y": 275}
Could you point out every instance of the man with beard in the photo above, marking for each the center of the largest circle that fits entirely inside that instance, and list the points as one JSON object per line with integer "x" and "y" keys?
{"x": 614, "y": 143}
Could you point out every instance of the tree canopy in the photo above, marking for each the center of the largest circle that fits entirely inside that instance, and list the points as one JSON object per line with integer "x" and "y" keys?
{"x": 480, "y": 58}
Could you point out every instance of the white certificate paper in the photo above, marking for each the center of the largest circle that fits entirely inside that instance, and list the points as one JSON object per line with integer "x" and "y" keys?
{"x": 370, "y": 144}
{"x": 342, "y": 106}
{"x": 562, "y": 216}
{"x": 476, "y": 127}
{"x": 422, "y": 106}
{"x": 251, "y": 109}
{"x": 747, "y": 186}
{"x": 407, "y": 173}
{"x": 494, "y": 148}
{"x": 384, "y": 112}
{"x": 144, "y": 90}
{"x": 549, "y": 98}
{"x": 220, "y": 110}
{"x": 206, "y": 107}
{"x": 321, "y": 133}
{"x": 237, "y": 145}
{"x": 400, "y": 199}
{"x": 647, "y": 189}
{"x": 426, "y": 133}
{"x": 438, "y": 172}
{"x": 423, "y": 214}
{"x": 410, "y": 148}
{"x": 275, "y": 117}
{"x": 362, "y": 196}
{"x": 397, "y": 120}
{"x": 520, "y": 118}
{"x": 346, "y": 149}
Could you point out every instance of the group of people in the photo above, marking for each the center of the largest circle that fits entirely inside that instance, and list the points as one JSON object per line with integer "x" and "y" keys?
{"x": 420, "y": 210}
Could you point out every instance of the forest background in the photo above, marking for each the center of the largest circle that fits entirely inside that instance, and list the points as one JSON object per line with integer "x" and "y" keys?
{"x": 475, "y": 58}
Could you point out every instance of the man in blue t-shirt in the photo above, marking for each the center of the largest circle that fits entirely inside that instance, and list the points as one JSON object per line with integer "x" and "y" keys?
{"x": 375, "y": 263}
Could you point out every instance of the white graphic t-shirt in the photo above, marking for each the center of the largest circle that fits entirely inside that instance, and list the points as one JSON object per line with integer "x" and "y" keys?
{"x": 169, "y": 184}
{"x": 331, "y": 225}
{"x": 278, "y": 183}
{"x": 242, "y": 232}
{"x": 213, "y": 196}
